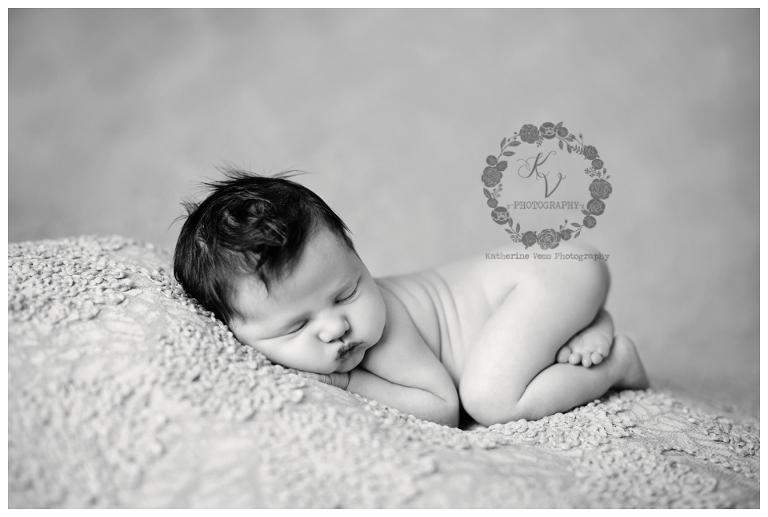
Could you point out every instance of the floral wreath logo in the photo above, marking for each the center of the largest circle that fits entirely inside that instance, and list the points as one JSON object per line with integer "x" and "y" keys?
{"x": 599, "y": 189}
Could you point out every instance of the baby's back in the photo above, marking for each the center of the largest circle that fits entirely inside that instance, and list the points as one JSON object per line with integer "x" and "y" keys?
{"x": 450, "y": 304}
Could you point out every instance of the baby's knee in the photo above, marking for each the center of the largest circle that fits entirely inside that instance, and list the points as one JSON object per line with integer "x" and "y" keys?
{"x": 486, "y": 405}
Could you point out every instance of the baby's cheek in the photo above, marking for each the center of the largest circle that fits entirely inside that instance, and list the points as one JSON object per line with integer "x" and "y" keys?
{"x": 370, "y": 315}
{"x": 379, "y": 315}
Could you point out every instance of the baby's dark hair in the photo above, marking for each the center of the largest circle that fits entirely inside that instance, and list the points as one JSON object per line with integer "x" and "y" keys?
{"x": 248, "y": 225}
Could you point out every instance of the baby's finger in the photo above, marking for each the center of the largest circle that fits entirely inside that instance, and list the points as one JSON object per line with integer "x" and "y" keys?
{"x": 340, "y": 380}
{"x": 313, "y": 376}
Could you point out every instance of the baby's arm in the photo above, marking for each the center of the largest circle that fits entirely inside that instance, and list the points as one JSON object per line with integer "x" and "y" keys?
{"x": 401, "y": 371}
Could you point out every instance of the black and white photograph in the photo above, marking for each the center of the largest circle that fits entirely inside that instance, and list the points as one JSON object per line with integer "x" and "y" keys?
{"x": 383, "y": 258}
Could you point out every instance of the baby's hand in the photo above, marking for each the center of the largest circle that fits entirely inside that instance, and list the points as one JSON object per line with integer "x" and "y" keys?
{"x": 339, "y": 380}
{"x": 591, "y": 345}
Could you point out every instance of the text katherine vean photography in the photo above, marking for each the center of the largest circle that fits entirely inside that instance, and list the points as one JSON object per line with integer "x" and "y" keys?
{"x": 547, "y": 256}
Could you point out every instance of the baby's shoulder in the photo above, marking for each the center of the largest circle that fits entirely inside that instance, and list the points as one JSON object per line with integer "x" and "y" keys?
{"x": 418, "y": 294}
{"x": 412, "y": 290}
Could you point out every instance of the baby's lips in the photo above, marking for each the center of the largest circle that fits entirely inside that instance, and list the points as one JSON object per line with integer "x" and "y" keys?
{"x": 346, "y": 351}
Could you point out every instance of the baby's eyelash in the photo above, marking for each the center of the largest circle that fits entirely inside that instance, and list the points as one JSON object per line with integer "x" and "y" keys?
{"x": 353, "y": 293}
{"x": 296, "y": 329}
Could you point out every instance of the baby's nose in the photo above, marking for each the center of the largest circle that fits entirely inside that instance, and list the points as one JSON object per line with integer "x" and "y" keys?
{"x": 333, "y": 329}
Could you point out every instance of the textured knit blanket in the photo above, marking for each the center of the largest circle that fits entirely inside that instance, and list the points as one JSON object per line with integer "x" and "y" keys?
{"x": 124, "y": 392}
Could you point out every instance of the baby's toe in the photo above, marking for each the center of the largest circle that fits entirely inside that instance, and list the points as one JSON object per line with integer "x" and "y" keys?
{"x": 597, "y": 358}
{"x": 563, "y": 354}
{"x": 586, "y": 361}
{"x": 575, "y": 358}
{"x": 603, "y": 349}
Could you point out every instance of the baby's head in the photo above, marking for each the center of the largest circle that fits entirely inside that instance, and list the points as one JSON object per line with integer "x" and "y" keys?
{"x": 269, "y": 258}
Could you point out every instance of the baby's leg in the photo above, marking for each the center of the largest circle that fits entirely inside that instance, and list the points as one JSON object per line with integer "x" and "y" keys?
{"x": 520, "y": 340}
{"x": 562, "y": 386}
{"x": 591, "y": 345}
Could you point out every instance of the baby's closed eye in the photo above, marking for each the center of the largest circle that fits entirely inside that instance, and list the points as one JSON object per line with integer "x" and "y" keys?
{"x": 350, "y": 295}
{"x": 297, "y": 328}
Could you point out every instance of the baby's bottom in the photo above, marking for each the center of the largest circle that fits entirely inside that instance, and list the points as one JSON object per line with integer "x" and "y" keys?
{"x": 510, "y": 371}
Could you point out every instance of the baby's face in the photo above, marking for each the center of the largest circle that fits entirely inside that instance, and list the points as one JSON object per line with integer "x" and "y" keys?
{"x": 321, "y": 318}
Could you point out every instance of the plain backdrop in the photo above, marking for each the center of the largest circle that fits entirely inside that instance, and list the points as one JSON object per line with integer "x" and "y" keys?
{"x": 116, "y": 115}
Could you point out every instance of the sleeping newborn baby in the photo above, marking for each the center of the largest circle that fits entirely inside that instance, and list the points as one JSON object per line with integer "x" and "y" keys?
{"x": 505, "y": 339}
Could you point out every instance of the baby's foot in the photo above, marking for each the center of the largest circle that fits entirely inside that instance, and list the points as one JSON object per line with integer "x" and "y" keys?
{"x": 625, "y": 354}
{"x": 588, "y": 347}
